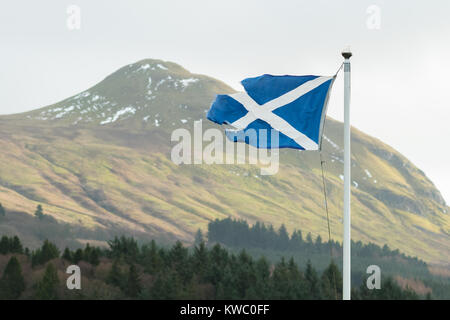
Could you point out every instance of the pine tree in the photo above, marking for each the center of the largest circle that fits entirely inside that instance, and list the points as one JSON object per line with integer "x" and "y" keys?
{"x": 318, "y": 244}
{"x": 94, "y": 257}
{"x": 2, "y": 211}
{"x": 298, "y": 283}
{"x": 198, "y": 237}
{"x": 312, "y": 282}
{"x": 115, "y": 275}
{"x": 244, "y": 273}
{"x": 10, "y": 245}
{"x": 280, "y": 281}
{"x": 261, "y": 289}
{"x": 309, "y": 242}
{"x": 47, "y": 287}
{"x": 67, "y": 255}
{"x": 167, "y": 286}
{"x": 87, "y": 252}
{"x": 332, "y": 282}
{"x": 151, "y": 258}
{"x": 319, "y": 240}
{"x": 39, "y": 213}
{"x": 283, "y": 238}
{"x": 272, "y": 237}
{"x": 90, "y": 254}
{"x": 226, "y": 287}
{"x": 296, "y": 240}
{"x": 4, "y": 245}
{"x": 78, "y": 256}
{"x": 309, "y": 239}
{"x": 124, "y": 247}
{"x": 16, "y": 245}
{"x": 179, "y": 260}
{"x": 201, "y": 260}
{"x": 47, "y": 252}
{"x": 12, "y": 284}
{"x": 133, "y": 286}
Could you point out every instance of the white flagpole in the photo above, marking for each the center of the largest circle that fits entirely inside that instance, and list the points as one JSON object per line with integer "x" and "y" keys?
{"x": 347, "y": 179}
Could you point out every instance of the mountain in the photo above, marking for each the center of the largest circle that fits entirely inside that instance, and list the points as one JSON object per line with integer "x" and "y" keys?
{"x": 99, "y": 162}
{"x": 141, "y": 95}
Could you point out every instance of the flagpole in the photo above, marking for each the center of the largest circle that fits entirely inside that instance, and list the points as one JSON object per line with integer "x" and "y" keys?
{"x": 346, "y": 288}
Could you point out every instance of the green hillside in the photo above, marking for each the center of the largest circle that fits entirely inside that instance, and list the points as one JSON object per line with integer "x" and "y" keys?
{"x": 100, "y": 161}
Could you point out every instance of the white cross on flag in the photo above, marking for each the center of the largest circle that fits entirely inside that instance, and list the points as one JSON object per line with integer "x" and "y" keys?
{"x": 294, "y": 106}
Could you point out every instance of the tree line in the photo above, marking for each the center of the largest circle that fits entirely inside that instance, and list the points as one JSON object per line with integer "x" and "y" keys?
{"x": 238, "y": 233}
{"x": 128, "y": 270}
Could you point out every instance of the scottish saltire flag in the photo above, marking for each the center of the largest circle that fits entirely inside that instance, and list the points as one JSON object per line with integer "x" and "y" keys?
{"x": 294, "y": 106}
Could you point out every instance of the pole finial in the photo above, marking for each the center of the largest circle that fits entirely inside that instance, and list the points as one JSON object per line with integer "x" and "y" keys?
{"x": 346, "y": 53}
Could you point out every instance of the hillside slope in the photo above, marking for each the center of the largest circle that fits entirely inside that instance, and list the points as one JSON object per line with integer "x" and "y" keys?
{"x": 101, "y": 161}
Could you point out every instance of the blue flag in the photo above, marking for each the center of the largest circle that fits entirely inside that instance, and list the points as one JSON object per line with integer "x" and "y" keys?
{"x": 292, "y": 106}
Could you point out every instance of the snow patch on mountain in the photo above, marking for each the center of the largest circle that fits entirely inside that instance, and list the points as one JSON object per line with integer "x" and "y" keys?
{"x": 160, "y": 83}
{"x": 64, "y": 112}
{"x": 186, "y": 82}
{"x": 84, "y": 94}
{"x": 333, "y": 144}
{"x": 119, "y": 113}
{"x": 144, "y": 67}
{"x": 336, "y": 158}
{"x": 159, "y": 65}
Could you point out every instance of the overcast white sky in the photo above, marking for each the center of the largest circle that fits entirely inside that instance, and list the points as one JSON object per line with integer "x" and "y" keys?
{"x": 400, "y": 86}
